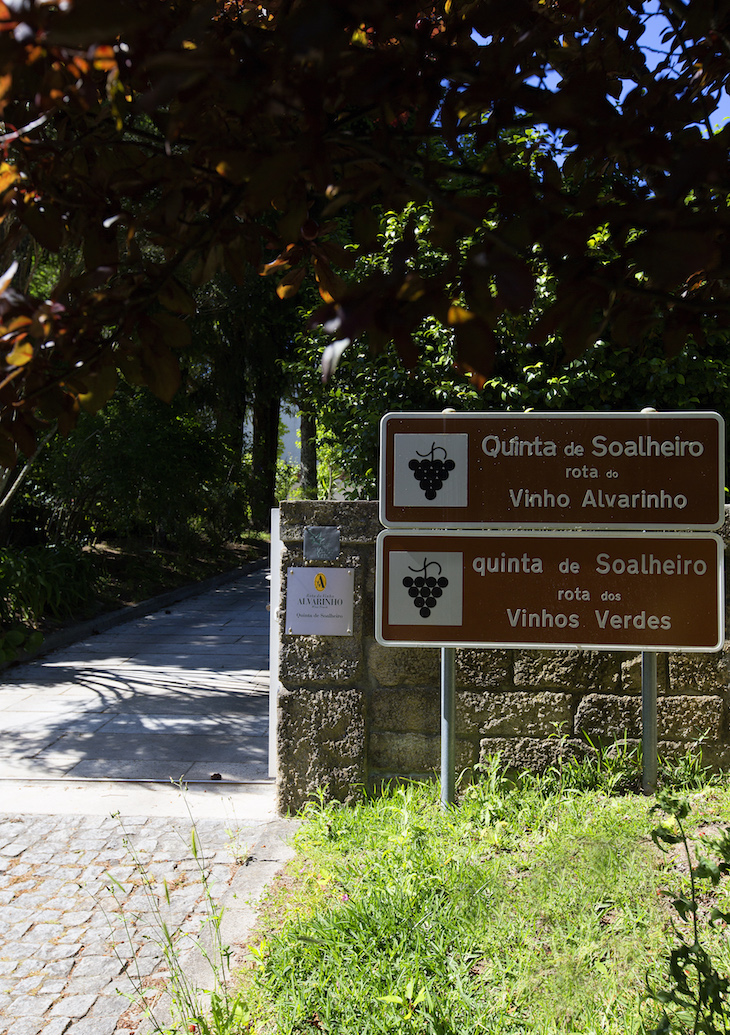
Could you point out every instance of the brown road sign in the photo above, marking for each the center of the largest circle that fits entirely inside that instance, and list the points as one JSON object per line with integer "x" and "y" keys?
{"x": 601, "y": 591}
{"x": 537, "y": 470}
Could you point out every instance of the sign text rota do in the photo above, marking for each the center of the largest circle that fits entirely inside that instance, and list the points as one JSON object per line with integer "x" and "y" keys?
{"x": 536, "y": 470}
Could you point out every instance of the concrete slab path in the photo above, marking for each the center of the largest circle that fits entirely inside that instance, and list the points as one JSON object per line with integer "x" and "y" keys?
{"x": 91, "y": 737}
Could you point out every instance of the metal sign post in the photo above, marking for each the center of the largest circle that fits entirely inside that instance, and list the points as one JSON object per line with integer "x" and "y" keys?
{"x": 649, "y": 721}
{"x": 649, "y": 730}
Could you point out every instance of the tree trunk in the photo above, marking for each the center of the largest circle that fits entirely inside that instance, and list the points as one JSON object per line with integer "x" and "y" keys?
{"x": 308, "y": 432}
{"x": 231, "y": 393}
{"x": 264, "y": 452}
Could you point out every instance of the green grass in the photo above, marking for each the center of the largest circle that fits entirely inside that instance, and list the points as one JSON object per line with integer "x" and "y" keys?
{"x": 533, "y": 906}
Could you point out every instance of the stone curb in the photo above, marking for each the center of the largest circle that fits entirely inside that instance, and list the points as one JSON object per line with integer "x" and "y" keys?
{"x": 102, "y": 622}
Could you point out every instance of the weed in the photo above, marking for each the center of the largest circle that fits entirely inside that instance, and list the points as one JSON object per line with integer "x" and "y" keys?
{"x": 218, "y": 1010}
{"x": 686, "y": 772}
{"x": 38, "y": 581}
{"x": 16, "y": 640}
{"x": 42, "y": 579}
{"x": 612, "y": 769}
{"x": 616, "y": 768}
{"x": 696, "y": 996}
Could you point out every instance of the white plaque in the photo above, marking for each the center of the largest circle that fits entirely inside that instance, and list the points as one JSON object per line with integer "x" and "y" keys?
{"x": 319, "y": 601}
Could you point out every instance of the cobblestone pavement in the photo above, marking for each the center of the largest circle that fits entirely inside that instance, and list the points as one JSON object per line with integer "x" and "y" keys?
{"x": 84, "y": 892}
{"x": 80, "y": 924}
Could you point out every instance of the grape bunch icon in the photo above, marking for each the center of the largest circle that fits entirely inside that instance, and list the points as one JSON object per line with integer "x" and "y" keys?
{"x": 425, "y": 590}
{"x": 431, "y": 471}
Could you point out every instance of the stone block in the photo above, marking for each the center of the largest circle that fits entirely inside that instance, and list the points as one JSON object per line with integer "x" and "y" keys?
{"x": 574, "y": 671}
{"x": 631, "y": 674}
{"x": 690, "y": 718}
{"x": 699, "y": 673}
{"x": 612, "y": 717}
{"x": 484, "y": 669}
{"x": 403, "y": 666}
{"x": 357, "y": 520}
{"x": 320, "y": 660}
{"x": 715, "y": 757}
{"x": 514, "y": 714}
{"x": 405, "y": 711}
{"x": 608, "y": 717}
{"x": 404, "y": 752}
{"x": 367, "y": 607}
{"x": 413, "y": 753}
{"x": 530, "y": 754}
{"x": 321, "y": 744}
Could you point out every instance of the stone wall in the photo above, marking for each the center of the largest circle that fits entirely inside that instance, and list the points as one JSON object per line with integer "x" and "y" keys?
{"x": 353, "y": 713}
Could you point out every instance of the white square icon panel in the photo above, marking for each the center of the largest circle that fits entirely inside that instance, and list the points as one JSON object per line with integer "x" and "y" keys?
{"x": 430, "y": 470}
{"x": 426, "y": 588}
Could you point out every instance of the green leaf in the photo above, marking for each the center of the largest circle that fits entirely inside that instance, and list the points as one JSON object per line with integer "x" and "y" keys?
{"x": 685, "y": 907}
{"x": 45, "y": 224}
{"x": 101, "y": 385}
{"x": 175, "y": 298}
{"x": 161, "y": 370}
{"x": 175, "y": 333}
{"x": 706, "y": 868}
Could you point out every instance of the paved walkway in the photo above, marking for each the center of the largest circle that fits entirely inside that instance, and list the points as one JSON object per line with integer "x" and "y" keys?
{"x": 94, "y": 837}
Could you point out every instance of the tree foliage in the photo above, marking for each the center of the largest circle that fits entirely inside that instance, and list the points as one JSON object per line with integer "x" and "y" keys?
{"x": 525, "y": 375}
{"x": 136, "y": 468}
{"x": 153, "y": 143}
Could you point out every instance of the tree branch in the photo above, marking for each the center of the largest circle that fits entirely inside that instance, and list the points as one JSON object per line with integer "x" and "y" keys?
{"x": 7, "y": 496}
